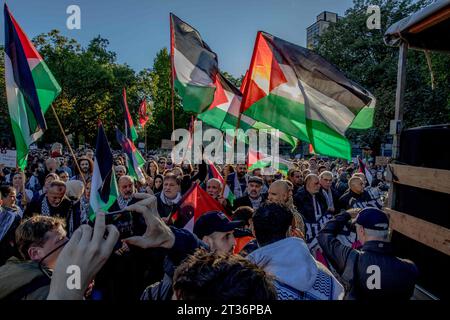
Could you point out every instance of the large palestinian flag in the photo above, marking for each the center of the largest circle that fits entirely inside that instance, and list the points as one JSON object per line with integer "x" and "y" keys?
{"x": 30, "y": 88}
{"x": 298, "y": 92}
{"x": 104, "y": 191}
{"x": 194, "y": 66}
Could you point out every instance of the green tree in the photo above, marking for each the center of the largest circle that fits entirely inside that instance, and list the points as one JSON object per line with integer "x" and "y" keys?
{"x": 159, "y": 79}
{"x": 91, "y": 82}
{"x": 362, "y": 55}
{"x": 236, "y": 81}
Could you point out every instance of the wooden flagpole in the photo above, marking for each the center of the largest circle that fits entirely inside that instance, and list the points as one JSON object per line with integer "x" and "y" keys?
{"x": 172, "y": 69}
{"x": 68, "y": 144}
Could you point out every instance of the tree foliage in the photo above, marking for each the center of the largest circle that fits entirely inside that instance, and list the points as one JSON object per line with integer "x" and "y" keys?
{"x": 92, "y": 83}
{"x": 362, "y": 55}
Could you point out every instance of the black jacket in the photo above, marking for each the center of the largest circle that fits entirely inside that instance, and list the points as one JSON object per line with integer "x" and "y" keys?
{"x": 303, "y": 203}
{"x": 353, "y": 200}
{"x": 335, "y": 196}
{"x": 165, "y": 210}
{"x": 185, "y": 244}
{"x": 231, "y": 181}
{"x": 245, "y": 201}
{"x": 359, "y": 268}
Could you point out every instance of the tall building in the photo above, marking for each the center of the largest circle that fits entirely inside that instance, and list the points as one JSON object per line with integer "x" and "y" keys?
{"x": 315, "y": 30}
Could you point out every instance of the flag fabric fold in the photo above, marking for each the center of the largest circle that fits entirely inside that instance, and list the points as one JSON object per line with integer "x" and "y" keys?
{"x": 104, "y": 191}
{"x": 30, "y": 87}
{"x": 363, "y": 169}
{"x": 194, "y": 66}
{"x": 195, "y": 203}
{"x": 298, "y": 92}
{"x": 135, "y": 161}
{"x": 143, "y": 115}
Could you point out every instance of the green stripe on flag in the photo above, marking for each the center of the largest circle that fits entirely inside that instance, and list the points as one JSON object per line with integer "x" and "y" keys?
{"x": 47, "y": 89}
{"x": 194, "y": 98}
{"x": 327, "y": 141}
{"x": 364, "y": 119}
{"x": 280, "y": 112}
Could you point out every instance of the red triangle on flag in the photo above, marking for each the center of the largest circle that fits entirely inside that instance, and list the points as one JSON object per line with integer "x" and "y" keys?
{"x": 195, "y": 203}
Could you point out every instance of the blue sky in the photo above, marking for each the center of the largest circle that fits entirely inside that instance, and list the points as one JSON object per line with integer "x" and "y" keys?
{"x": 137, "y": 29}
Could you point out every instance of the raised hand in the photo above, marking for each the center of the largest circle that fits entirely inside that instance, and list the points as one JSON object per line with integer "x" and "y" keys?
{"x": 157, "y": 234}
{"x": 87, "y": 251}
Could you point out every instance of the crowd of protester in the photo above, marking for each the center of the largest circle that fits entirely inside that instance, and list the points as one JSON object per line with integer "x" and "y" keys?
{"x": 312, "y": 233}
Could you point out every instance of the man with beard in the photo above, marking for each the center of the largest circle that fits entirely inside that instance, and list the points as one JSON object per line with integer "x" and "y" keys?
{"x": 86, "y": 167}
{"x": 254, "y": 198}
{"x": 120, "y": 171}
{"x": 54, "y": 203}
{"x": 237, "y": 181}
{"x": 280, "y": 192}
{"x": 295, "y": 176}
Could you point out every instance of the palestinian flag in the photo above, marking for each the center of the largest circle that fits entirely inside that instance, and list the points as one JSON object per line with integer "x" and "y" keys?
{"x": 30, "y": 88}
{"x": 363, "y": 169}
{"x": 223, "y": 113}
{"x": 195, "y": 203}
{"x": 129, "y": 126}
{"x": 135, "y": 160}
{"x": 194, "y": 66}
{"x": 214, "y": 173}
{"x": 280, "y": 165}
{"x": 143, "y": 116}
{"x": 104, "y": 191}
{"x": 253, "y": 157}
{"x": 298, "y": 92}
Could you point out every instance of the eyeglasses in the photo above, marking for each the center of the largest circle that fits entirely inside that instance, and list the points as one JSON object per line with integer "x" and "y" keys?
{"x": 45, "y": 271}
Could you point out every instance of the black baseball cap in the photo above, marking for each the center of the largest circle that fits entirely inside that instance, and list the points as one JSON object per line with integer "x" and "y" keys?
{"x": 214, "y": 221}
{"x": 373, "y": 218}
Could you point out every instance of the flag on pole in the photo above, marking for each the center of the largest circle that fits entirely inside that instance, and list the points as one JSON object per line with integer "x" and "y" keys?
{"x": 129, "y": 129}
{"x": 194, "y": 66}
{"x": 143, "y": 116}
{"x": 298, "y": 92}
{"x": 135, "y": 160}
{"x": 226, "y": 191}
{"x": 311, "y": 149}
{"x": 195, "y": 203}
{"x": 30, "y": 87}
{"x": 363, "y": 169}
{"x": 253, "y": 156}
{"x": 104, "y": 191}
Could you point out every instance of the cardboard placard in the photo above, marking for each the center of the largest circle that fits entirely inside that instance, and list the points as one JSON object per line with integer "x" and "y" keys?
{"x": 167, "y": 144}
{"x": 8, "y": 158}
{"x": 381, "y": 161}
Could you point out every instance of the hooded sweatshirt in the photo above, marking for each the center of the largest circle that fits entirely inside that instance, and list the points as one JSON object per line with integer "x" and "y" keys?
{"x": 298, "y": 275}
{"x": 16, "y": 274}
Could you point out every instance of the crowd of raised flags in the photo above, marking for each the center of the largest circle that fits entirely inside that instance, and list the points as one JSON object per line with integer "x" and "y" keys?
{"x": 287, "y": 87}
